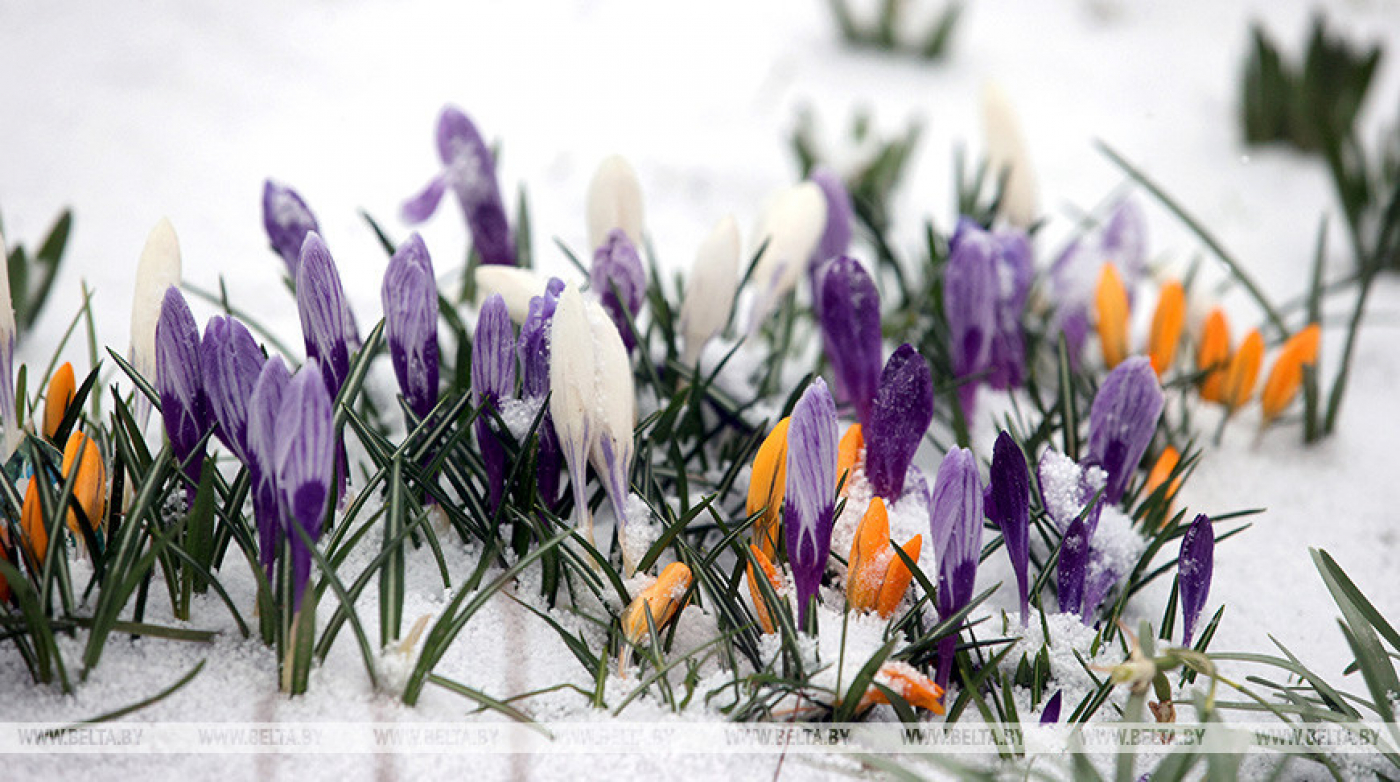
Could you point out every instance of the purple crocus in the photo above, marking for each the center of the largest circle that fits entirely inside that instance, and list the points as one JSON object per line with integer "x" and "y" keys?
{"x": 1100, "y": 576}
{"x": 305, "y": 461}
{"x": 410, "y": 299}
{"x": 899, "y": 417}
{"x": 288, "y": 220}
{"x": 533, "y": 350}
{"x": 327, "y": 325}
{"x": 955, "y": 521}
{"x": 470, "y": 170}
{"x": 1066, "y": 488}
{"x": 1073, "y": 566}
{"x": 1014, "y": 268}
{"x": 230, "y": 361}
{"x": 1122, "y": 422}
{"x": 620, "y": 282}
{"x": 184, "y": 405}
{"x": 493, "y": 379}
{"x": 1051, "y": 714}
{"x": 1008, "y": 506}
{"x": 969, "y": 304}
{"x": 836, "y": 236}
{"x": 810, "y": 492}
{"x": 1195, "y": 565}
{"x": 850, "y": 321}
{"x": 264, "y": 403}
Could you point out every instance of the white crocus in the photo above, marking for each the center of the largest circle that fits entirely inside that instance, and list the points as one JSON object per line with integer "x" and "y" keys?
{"x": 571, "y": 380}
{"x": 791, "y": 227}
{"x": 709, "y": 293}
{"x": 515, "y": 285}
{"x": 1006, "y": 155}
{"x": 8, "y": 412}
{"x": 158, "y": 269}
{"x": 614, "y": 405}
{"x": 614, "y": 201}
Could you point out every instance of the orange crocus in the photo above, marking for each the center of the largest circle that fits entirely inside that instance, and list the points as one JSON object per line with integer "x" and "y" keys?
{"x": 1213, "y": 356}
{"x": 766, "y": 485}
{"x": 662, "y": 600}
{"x": 912, "y": 686}
{"x": 1161, "y": 471}
{"x": 760, "y": 606}
{"x": 1244, "y": 371}
{"x": 1286, "y": 376}
{"x": 1111, "y": 300}
{"x": 1167, "y": 323}
{"x": 31, "y": 523}
{"x": 90, "y": 488}
{"x": 848, "y": 456}
{"x": 877, "y": 578}
{"x": 58, "y": 398}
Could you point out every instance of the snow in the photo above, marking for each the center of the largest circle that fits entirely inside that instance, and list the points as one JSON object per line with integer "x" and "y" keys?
{"x": 134, "y": 112}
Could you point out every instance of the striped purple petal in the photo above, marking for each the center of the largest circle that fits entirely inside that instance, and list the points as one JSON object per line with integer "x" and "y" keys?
{"x": 230, "y": 360}
{"x": 899, "y": 417}
{"x": 1195, "y": 565}
{"x": 1008, "y": 506}
{"x": 1122, "y": 422}
{"x": 969, "y": 304}
{"x": 809, "y": 501}
{"x": 264, "y": 403}
{"x": 620, "y": 282}
{"x": 850, "y": 323}
{"x": 288, "y": 220}
{"x": 184, "y": 405}
{"x": 326, "y": 323}
{"x": 410, "y": 298}
{"x": 533, "y": 350}
{"x": 955, "y": 521}
{"x": 493, "y": 379}
{"x": 305, "y": 462}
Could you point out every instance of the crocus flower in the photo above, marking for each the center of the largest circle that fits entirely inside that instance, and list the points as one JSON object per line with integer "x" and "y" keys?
{"x": 620, "y": 282}
{"x": 470, "y": 170}
{"x": 1213, "y": 356}
{"x": 1100, "y": 576}
{"x": 767, "y": 484}
{"x": 184, "y": 405}
{"x": 288, "y": 220}
{"x": 1011, "y": 257}
{"x": 327, "y": 326}
{"x": 878, "y": 578}
{"x": 305, "y": 461}
{"x": 1067, "y": 488}
{"x": 905, "y": 680}
{"x": 1051, "y": 714}
{"x": 1122, "y": 422}
{"x": 410, "y": 300}
{"x": 969, "y": 303}
{"x": 90, "y": 487}
{"x": 533, "y": 350}
{"x": 809, "y": 504}
{"x": 662, "y": 600}
{"x": 955, "y": 519}
{"x": 789, "y": 231}
{"x": 1162, "y": 470}
{"x": 760, "y": 606}
{"x": 614, "y": 201}
{"x": 31, "y": 524}
{"x": 1111, "y": 307}
{"x": 836, "y": 236}
{"x": 1007, "y": 157}
{"x": 517, "y": 286}
{"x": 850, "y": 323}
{"x": 230, "y": 361}
{"x": 1167, "y": 324}
{"x": 710, "y": 289}
{"x": 849, "y": 453}
{"x": 1286, "y": 376}
{"x": 1074, "y": 276}
{"x": 264, "y": 404}
{"x": 614, "y": 403}
{"x": 1073, "y": 566}
{"x": 493, "y": 380}
{"x": 1195, "y": 564}
{"x": 899, "y": 417}
{"x": 9, "y": 415}
{"x": 1008, "y": 506}
{"x": 1244, "y": 371}
{"x": 158, "y": 270}
{"x": 62, "y": 387}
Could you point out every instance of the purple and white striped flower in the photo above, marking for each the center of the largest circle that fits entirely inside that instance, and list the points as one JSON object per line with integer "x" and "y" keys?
{"x": 955, "y": 521}
{"x": 534, "y": 351}
{"x": 1195, "y": 565}
{"x": 1100, "y": 576}
{"x": 1073, "y": 567}
{"x": 493, "y": 380}
{"x": 1122, "y": 422}
{"x": 470, "y": 170}
{"x": 899, "y": 417}
{"x": 969, "y": 304}
{"x": 1008, "y": 506}
{"x": 230, "y": 361}
{"x": 305, "y": 462}
{"x": 1014, "y": 269}
{"x": 264, "y": 403}
{"x": 8, "y": 414}
{"x": 288, "y": 220}
{"x": 850, "y": 323}
{"x": 620, "y": 282}
{"x": 327, "y": 326}
{"x": 410, "y": 298}
{"x": 184, "y": 405}
{"x": 809, "y": 496}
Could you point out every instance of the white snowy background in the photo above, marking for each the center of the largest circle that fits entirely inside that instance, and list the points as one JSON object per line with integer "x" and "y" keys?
{"x": 129, "y": 111}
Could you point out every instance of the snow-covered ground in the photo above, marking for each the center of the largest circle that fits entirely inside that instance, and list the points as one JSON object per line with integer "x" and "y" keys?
{"x": 133, "y": 111}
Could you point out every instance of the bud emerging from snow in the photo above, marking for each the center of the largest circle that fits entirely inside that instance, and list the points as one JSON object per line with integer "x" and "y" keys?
{"x": 410, "y": 298}
{"x": 493, "y": 380}
{"x": 62, "y": 387}
{"x": 1006, "y": 156}
{"x": 1196, "y": 563}
{"x": 711, "y": 288}
{"x": 288, "y": 220}
{"x": 1008, "y": 506}
{"x": 877, "y": 578}
{"x": 326, "y": 324}
{"x": 264, "y": 403}
{"x": 899, "y": 417}
{"x": 614, "y": 201}
{"x": 305, "y": 458}
{"x": 810, "y": 497}
{"x": 619, "y": 281}
{"x": 1122, "y": 422}
{"x": 184, "y": 405}
{"x": 230, "y": 362}
{"x": 955, "y": 519}
{"x": 158, "y": 269}
{"x": 850, "y": 323}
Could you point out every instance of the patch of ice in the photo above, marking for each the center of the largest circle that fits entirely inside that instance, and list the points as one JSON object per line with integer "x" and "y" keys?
{"x": 519, "y": 415}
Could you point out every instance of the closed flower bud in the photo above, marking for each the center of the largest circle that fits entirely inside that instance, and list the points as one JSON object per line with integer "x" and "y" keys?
{"x": 969, "y": 304}
{"x": 1161, "y": 471}
{"x": 1195, "y": 565}
{"x": 157, "y": 271}
{"x": 620, "y": 282}
{"x": 1008, "y": 506}
{"x": 1244, "y": 371}
{"x": 840, "y": 215}
{"x": 305, "y": 462}
{"x": 184, "y": 405}
{"x": 903, "y": 679}
{"x": 767, "y": 483}
{"x": 31, "y": 523}
{"x": 534, "y": 352}
{"x": 1167, "y": 324}
{"x": 264, "y": 404}
{"x": 1073, "y": 567}
{"x": 662, "y": 600}
{"x": 410, "y": 299}
{"x": 62, "y": 387}
{"x": 1111, "y": 308}
{"x": 849, "y": 454}
{"x": 571, "y": 381}
{"x": 1213, "y": 356}
{"x": 789, "y": 231}
{"x": 230, "y": 362}
{"x": 614, "y": 202}
{"x": 810, "y": 497}
{"x": 760, "y": 606}
{"x": 614, "y": 403}
{"x": 850, "y": 324}
{"x": 710, "y": 289}
{"x": 877, "y": 578}
{"x": 288, "y": 220}
{"x": 955, "y": 519}
{"x": 1286, "y": 376}
{"x": 1122, "y": 422}
{"x": 493, "y": 380}
{"x": 517, "y": 286}
{"x": 1010, "y": 253}
{"x": 899, "y": 417}
{"x": 90, "y": 487}
{"x": 470, "y": 170}
{"x": 327, "y": 326}
{"x": 1007, "y": 157}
